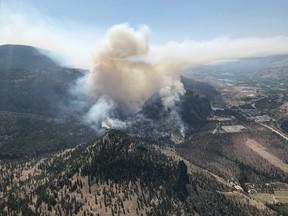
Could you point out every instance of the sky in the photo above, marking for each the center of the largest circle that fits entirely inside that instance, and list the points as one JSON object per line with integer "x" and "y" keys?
{"x": 171, "y": 19}
{"x": 82, "y": 25}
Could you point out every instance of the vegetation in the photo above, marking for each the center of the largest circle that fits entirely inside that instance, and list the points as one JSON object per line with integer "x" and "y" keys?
{"x": 26, "y": 135}
{"x": 33, "y": 92}
{"x": 117, "y": 176}
{"x": 211, "y": 172}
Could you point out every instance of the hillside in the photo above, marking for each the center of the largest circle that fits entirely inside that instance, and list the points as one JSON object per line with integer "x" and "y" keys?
{"x": 278, "y": 73}
{"x": 21, "y": 56}
{"x": 33, "y": 92}
{"x": 32, "y": 82}
{"x": 186, "y": 159}
{"x": 153, "y": 123}
{"x": 193, "y": 107}
{"x": 117, "y": 176}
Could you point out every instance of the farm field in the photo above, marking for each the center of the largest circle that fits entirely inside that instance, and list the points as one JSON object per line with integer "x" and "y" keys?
{"x": 277, "y": 197}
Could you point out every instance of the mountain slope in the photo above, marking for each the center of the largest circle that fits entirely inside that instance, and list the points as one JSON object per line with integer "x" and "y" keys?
{"x": 117, "y": 176}
{"x": 154, "y": 123}
{"x": 192, "y": 107}
{"x": 33, "y": 90}
{"x": 32, "y": 83}
{"x": 21, "y": 56}
{"x": 199, "y": 87}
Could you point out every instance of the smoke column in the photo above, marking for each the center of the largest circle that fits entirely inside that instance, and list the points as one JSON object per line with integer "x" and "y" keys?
{"x": 125, "y": 70}
{"x": 125, "y": 75}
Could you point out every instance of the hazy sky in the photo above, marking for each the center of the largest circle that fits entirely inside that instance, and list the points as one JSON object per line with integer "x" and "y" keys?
{"x": 168, "y": 20}
{"x": 172, "y": 19}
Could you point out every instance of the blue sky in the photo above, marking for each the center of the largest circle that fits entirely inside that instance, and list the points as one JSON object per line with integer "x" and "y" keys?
{"x": 175, "y": 20}
{"x": 203, "y": 29}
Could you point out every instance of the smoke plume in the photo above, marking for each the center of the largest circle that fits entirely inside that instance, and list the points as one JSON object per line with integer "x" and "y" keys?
{"x": 125, "y": 75}
{"x": 170, "y": 95}
{"x": 127, "y": 71}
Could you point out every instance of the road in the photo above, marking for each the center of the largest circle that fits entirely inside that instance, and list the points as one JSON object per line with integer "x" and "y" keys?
{"x": 284, "y": 136}
{"x": 275, "y": 200}
{"x": 275, "y": 131}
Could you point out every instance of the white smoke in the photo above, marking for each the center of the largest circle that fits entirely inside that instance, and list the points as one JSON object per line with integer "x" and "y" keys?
{"x": 125, "y": 76}
{"x": 99, "y": 111}
{"x": 126, "y": 68}
{"x": 100, "y": 114}
{"x": 129, "y": 71}
{"x": 124, "y": 71}
{"x": 170, "y": 95}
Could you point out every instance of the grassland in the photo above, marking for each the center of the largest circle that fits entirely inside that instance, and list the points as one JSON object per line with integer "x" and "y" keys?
{"x": 276, "y": 197}
{"x": 277, "y": 200}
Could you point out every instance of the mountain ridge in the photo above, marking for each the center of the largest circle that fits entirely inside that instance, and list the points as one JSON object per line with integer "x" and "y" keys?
{"x": 32, "y": 94}
{"x": 117, "y": 175}
{"x": 19, "y": 56}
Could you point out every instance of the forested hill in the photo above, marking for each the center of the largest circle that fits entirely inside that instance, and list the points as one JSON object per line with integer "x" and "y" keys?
{"x": 117, "y": 176}
{"x": 33, "y": 91}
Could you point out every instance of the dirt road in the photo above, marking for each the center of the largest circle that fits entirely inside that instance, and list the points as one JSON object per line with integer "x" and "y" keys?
{"x": 275, "y": 131}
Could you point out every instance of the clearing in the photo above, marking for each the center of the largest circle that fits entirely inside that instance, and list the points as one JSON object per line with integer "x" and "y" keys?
{"x": 277, "y": 196}
{"x": 262, "y": 151}
{"x": 233, "y": 128}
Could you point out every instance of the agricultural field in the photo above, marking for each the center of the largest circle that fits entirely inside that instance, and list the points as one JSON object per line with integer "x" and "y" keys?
{"x": 276, "y": 197}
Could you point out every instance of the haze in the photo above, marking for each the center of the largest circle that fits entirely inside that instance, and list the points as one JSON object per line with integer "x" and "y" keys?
{"x": 199, "y": 32}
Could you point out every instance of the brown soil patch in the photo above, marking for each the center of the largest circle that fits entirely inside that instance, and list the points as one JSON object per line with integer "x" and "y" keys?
{"x": 263, "y": 152}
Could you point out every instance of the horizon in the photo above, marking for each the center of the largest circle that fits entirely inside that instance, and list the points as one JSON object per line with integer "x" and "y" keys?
{"x": 213, "y": 31}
